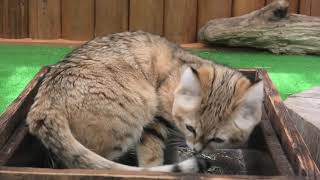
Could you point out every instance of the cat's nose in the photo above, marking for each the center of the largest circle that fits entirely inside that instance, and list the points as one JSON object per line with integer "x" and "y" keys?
{"x": 198, "y": 147}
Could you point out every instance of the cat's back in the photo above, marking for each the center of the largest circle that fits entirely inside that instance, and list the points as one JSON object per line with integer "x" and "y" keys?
{"x": 103, "y": 70}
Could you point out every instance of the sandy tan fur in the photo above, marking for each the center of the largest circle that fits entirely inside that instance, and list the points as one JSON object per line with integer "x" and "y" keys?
{"x": 100, "y": 98}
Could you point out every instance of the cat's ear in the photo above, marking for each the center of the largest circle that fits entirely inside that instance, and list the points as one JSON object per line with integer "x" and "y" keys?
{"x": 188, "y": 92}
{"x": 250, "y": 109}
{"x": 189, "y": 83}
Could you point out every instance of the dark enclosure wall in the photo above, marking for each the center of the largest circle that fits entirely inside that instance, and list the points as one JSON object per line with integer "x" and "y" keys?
{"x": 177, "y": 20}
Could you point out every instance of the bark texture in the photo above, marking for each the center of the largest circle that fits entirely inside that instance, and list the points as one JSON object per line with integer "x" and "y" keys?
{"x": 270, "y": 28}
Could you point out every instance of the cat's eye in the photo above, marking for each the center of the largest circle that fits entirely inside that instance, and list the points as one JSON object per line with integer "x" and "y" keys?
{"x": 217, "y": 140}
{"x": 191, "y": 129}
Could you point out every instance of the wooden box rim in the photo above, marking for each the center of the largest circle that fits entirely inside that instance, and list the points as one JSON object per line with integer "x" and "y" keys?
{"x": 13, "y": 129}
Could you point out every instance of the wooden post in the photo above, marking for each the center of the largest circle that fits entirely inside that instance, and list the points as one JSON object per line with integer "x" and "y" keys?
{"x": 180, "y": 20}
{"x": 45, "y": 19}
{"x": 293, "y": 7}
{"x": 77, "y": 19}
{"x": 212, "y": 9}
{"x": 147, "y": 15}
{"x": 15, "y": 18}
{"x": 111, "y": 16}
{"x": 241, "y": 7}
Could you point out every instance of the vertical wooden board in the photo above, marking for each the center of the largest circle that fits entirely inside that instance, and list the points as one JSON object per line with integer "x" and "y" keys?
{"x": 315, "y": 8}
{"x": 212, "y": 9}
{"x": 77, "y": 19}
{"x": 147, "y": 15}
{"x": 1, "y": 17}
{"x": 45, "y": 19}
{"x": 294, "y": 5}
{"x": 305, "y": 7}
{"x": 15, "y": 18}
{"x": 111, "y": 16}
{"x": 241, "y": 7}
{"x": 180, "y": 20}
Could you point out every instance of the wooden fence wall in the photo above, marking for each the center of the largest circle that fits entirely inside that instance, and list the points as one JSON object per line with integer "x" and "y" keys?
{"x": 178, "y": 20}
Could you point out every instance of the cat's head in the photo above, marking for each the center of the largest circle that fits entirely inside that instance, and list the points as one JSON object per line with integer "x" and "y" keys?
{"x": 216, "y": 107}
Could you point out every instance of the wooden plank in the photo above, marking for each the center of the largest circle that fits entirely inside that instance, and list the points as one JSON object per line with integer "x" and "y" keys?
{"x": 77, "y": 19}
{"x": 54, "y": 42}
{"x": 13, "y": 143}
{"x": 15, "y": 19}
{"x": 241, "y": 7}
{"x": 111, "y": 16}
{"x": 180, "y": 20}
{"x": 45, "y": 19}
{"x": 292, "y": 142}
{"x": 77, "y": 174}
{"x": 306, "y": 113}
{"x": 305, "y": 7}
{"x": 274, "y": 147}
{"x": 1, "y": 17}
{"x": 147, "y": 15}
{"x": 293, "y": 7}
{"x": 17, "y": 111}
{"x": 315, "y": 8}
{"x": 212, "y": 9}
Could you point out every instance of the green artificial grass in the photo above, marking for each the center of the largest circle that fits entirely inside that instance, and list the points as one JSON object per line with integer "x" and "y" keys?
{"x": 18, "y": 65}
{"x": 290, "y": 74}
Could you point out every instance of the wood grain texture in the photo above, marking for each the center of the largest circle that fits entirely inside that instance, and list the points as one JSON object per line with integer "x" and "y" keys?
{"x": 7, "y": 151}
{"x": 305, "y": 7}
{"x": 315, "y": 8}
{"x": 111, "y": 16}
{"x": 15, "y": 18}
{"x": 293, "y": 7}
{"x": 212, "y": 9}
{"x": 77, "y": 19}
{"x": 241, "y": 7}
{"x": 180, "y": 20}
{"x": 305, "y": 108}
{"x": 14, "y": 173}
{"x": 1, "y": 17}
{"x": 301, "y": 32}
{"x": 292, "y": 142}
{"x": 17, "y": 111}
{"x": 45, "y": 19}
{"x": 147, "y": 15}
{"x": 274, "y": 147}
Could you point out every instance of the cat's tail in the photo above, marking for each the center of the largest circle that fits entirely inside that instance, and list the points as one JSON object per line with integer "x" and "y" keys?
{"x": 54, "y": 132}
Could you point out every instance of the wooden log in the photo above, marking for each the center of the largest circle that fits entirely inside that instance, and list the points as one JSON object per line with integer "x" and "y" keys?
{"x": 292, "y": 142}
{"x": 77, "y": 19}
{"x": 180, "y": 20}
{"x": 111, "y": 16}
{"x": 269, "y": 28}
{"x": 15, "y": 19}
{"x": 212, "y": 9}
{"x": 45, "y": 19}
{"x": 293, "y": 5}
{"x": 147, "y": 15}
{"x": 241, "y": 7}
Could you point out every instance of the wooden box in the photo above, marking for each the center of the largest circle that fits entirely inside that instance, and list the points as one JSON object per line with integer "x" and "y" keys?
{"x": 21, "y": 155}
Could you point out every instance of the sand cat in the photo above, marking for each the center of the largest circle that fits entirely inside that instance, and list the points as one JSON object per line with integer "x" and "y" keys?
{"x": 105, "y": 98}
